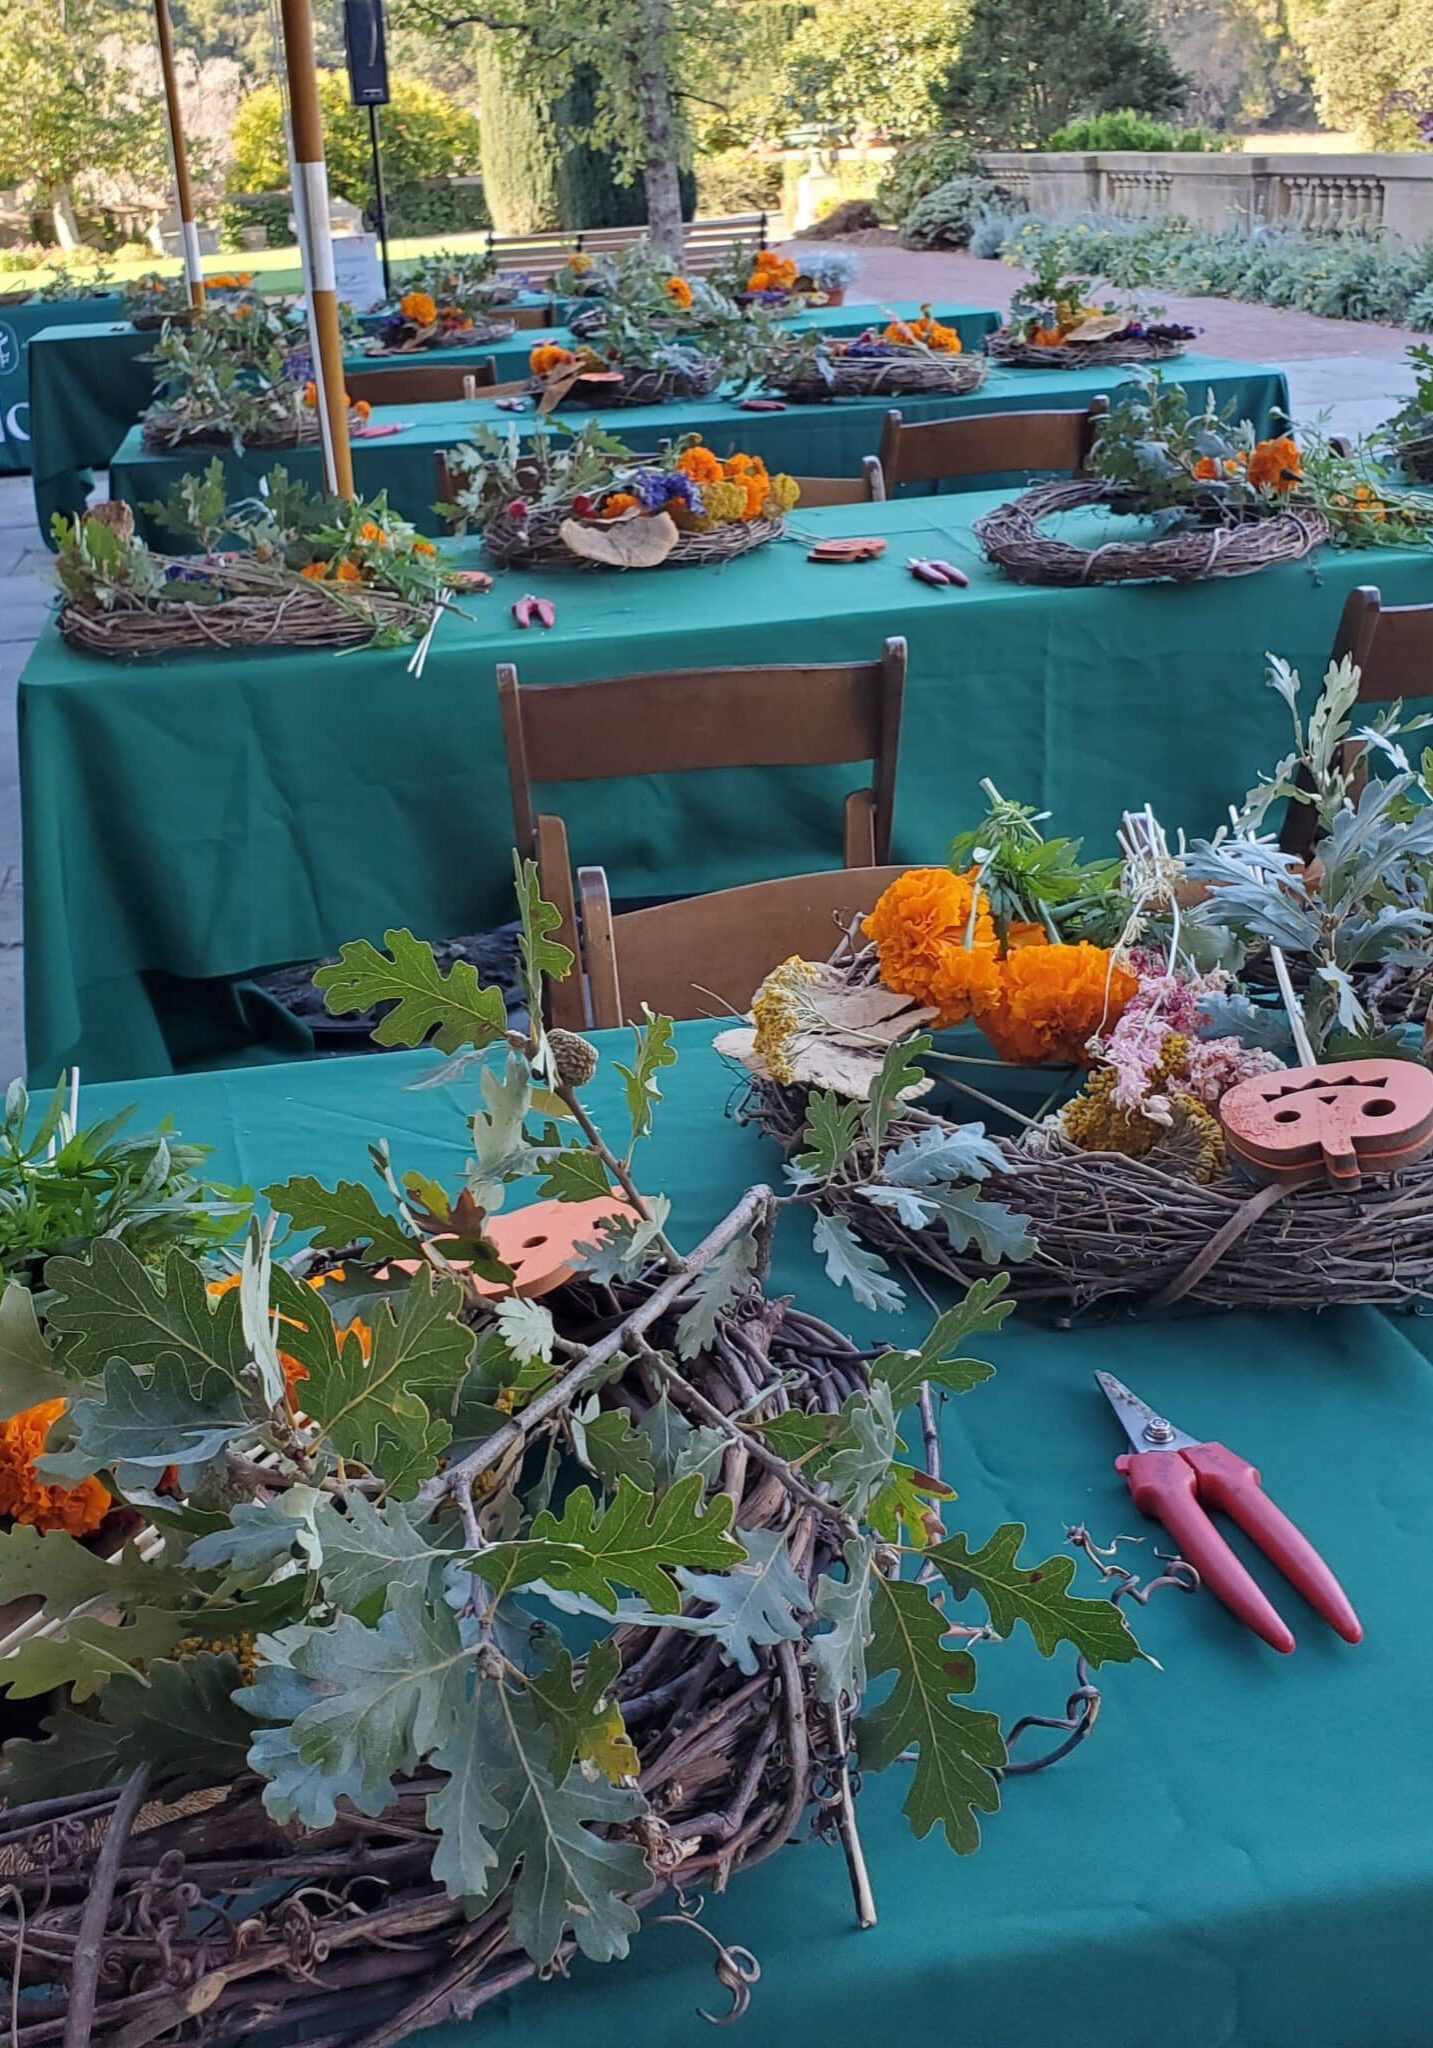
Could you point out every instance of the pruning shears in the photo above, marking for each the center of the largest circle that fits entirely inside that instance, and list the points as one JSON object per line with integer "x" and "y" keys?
{"x": 940, "y": 574}
{"x": 529, "y": 608}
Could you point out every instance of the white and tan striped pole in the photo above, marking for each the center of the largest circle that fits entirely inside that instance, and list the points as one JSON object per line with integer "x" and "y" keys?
{"x": 315, "y": 242}
{"x": 178, "y": 155}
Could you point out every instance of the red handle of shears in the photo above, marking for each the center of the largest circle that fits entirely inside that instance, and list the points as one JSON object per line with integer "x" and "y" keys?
{"x": 1164, "y": 1487}
{"x": 1229, "y": 1483}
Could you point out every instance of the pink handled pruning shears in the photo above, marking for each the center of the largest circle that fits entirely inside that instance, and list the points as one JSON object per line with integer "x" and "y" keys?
{"x": 1173, "y": 1478}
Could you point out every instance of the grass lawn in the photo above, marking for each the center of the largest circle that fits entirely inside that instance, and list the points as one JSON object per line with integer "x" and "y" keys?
{"x": 278, "y": 268}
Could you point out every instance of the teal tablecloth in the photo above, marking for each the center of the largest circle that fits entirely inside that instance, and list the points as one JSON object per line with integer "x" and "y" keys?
{"x": 1239, "y": 1857}
{"x": 89, "y": 384}
{"x": 18, "y": 327}
{"x": 829, "y": 439}
{"x": 187, "y": 821}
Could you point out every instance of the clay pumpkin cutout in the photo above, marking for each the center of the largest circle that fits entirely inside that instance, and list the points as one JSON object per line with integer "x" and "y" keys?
{"x": 540, "y": 1243}
{"x": 1342, "y": 1118}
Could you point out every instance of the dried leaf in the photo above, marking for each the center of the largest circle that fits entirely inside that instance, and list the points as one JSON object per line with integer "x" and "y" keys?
{"x": 636, "y": 543}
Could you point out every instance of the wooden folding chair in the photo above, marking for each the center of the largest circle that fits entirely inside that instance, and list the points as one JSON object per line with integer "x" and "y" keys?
{"x": 986, "y": 444}
{"x": 707, "y": 955}
{"x": 421, "y": 383}
{"x": 1392, "y": 648}
{"x": 665, "y": 724}
{"x": 544, "y": 315}
{"x": 866, "y": 489}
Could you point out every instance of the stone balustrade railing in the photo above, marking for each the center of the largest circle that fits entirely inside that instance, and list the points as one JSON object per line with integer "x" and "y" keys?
{"x": 1319, "y": 193}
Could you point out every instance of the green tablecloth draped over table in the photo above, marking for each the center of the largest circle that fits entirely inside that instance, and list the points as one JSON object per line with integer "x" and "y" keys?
{"x": 808, "y": 440}
{"x": 89, "y": 384}
{"x": 19, "y": 326}
{"x": 198, "y": 818}
{"x": 1240, "y": 1855}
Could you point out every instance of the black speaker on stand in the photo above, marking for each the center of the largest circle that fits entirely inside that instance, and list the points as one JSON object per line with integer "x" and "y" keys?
{"x": 365, "y": 47}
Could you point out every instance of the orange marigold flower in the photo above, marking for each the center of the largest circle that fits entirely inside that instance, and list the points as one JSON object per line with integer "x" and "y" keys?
{"x": 1206, "y": 469}
{"x": 371, "y": 530}
{"x": 363, "y": 408}
{"x": 310, "y": 394}
{"x": 1048, "y": 337}
{"x": 700, "y": 465}
{"x": 24, "y": 1497}
{"x": 419, "y": 308}
{"x": 679, "y": 292}
{"x": 424, "y": 547}
{"x": 1049, "y": 1001}
{"x": 547, "y": 357}
{"x": 315, "y": 571}
{"x": 348, "y": 571}
{"x": 920, "y": 922}
{"x": 617, "y": 504}
{"x": 1275, "y": 465}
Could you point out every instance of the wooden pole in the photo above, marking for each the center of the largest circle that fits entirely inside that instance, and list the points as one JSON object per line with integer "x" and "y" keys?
{"x": 315, "y": 243}
{"x": 178, "y": 155}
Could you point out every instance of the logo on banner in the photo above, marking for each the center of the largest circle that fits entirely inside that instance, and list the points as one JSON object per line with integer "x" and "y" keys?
{"x": 9, "y": 349}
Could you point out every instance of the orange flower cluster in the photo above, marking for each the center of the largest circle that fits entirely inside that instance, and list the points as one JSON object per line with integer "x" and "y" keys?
{"x": 772, "y": 273}
{"x": 418, "y": 307}
{"x": 1035, "y": 1002}
{"x": 679, "y": 292}
{"x": 617, "y": 504}
{"x": 927, "y": 332}
{"x": 230, "y": 280}
{"x": 78, "y": 1510}
{"x": 547, "y": 357}
{"x": 1275, "y": 465}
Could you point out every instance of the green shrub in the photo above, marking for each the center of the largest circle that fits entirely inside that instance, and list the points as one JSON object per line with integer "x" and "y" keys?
{"x": 435, "y": 206}
{"x": 731, "y": 181}
{"x": 1360, "y": 275}
{"x": 946, "y": 218}
{"x": 425, "y": 134}
{"x": 917, "y": 168}
{"x": 267, "y": 210}
{"x": 1124, "y": 128}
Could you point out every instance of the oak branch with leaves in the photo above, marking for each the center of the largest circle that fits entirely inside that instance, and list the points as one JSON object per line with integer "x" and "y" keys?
{"x": 396, "y": 1497}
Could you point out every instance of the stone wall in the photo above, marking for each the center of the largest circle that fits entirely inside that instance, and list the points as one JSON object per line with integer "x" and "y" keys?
{"x": 1393, "y": 190}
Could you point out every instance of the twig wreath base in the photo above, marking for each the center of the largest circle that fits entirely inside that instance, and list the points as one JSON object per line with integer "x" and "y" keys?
{"x": 164, "y": 429}
{"x": 906, "y": 372}
{"x": 1119, "y": 1233}
{"x": 1011, "y": 537}
{"x": 1010, "y": 348}
{"x": 153, "y": 323}
{"x": 133, "y": 628}
{"x": 344, "y": 1933}
{"x": 1416, "y": 456}
{"x": 662, "y": 386}
{"x": 434, "y": 340}
{"x": 535, "y": 541}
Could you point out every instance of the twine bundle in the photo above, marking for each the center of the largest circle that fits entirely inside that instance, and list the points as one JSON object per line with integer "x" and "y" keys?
{"x": 1012, "y": 539}
{"x": 1115, "y": 1231}
{"x": 1009, "y": 346}
{"x": 535, "y": 542}
{"x": 208, "y": 1923}
{"x": 907, "y": 371}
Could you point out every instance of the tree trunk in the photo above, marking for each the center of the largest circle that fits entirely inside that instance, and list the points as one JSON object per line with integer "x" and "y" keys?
{"x": 62, "y": 206}
{"x": 659, "y": 127}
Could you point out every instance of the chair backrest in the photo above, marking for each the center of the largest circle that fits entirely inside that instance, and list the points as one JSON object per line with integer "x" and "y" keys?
{"x": 1392, "y": 648}
{"x": 707, "y": 955}
{"x": 420, "y": 383}
{"x": 544, "y": 315}
{"x": 866, "y": 489}
{"x": 986, "y": 444}
{"x": 683, "y": 719}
